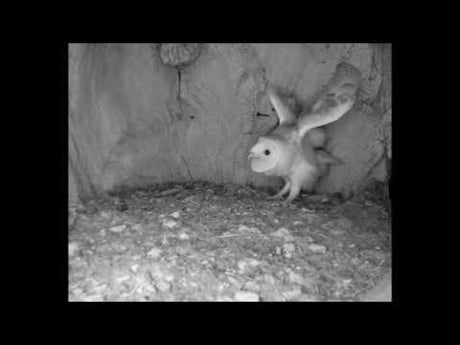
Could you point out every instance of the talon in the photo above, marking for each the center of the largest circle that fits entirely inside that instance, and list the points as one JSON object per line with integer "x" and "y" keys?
{"x": 286, "y": 202}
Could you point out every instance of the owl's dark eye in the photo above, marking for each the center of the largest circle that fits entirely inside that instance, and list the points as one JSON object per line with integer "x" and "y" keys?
{"x": 267, "y": 152}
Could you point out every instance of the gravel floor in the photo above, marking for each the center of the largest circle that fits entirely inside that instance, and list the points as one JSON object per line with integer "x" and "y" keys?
{"x": 203, "y": 242}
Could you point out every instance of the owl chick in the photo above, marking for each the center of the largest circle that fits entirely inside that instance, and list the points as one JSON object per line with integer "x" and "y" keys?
{"x": 292, "y": 151}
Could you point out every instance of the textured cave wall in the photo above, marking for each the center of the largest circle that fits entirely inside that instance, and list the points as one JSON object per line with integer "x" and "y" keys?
{"x": 134, "y": 119}
{"x": 362, "y": 138}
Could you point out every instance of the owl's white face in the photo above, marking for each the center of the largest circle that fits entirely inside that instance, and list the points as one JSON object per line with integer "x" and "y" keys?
{"x": 264, "y": 154}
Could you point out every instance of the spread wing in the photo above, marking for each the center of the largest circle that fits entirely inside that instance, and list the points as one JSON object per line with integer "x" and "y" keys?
{"x": 282, "y": 110}
{"x": 329, "y": 109}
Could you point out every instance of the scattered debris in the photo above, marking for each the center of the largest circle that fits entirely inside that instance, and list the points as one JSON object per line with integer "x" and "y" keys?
{"x": 317, "y": 248}
{"x": 202, "y": 242}
{"x": 284, "y": 234}
{"x": 169, "y": 223}
{"x": 118, "y": 228}
{"x": 246, "y": 296}
{"x": 73, "y": 248}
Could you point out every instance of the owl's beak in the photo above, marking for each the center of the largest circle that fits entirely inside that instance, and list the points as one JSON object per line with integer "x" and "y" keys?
{"x": 251, "y": 154}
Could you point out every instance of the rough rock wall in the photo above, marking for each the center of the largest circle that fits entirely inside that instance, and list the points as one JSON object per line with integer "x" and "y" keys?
{"x": 362, "y": 138}
{"x": 142, "y": 113}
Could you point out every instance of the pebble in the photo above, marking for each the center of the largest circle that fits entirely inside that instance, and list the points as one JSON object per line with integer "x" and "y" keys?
{"x": 183, "y": 236}
{"x": 246, "y": 265}
{"x": 295, "y": 278}
{"x": 247, "y": 229}
{"x": 175, "y": 214}
{"x": 169, "y": 223}
{"x": 189, "y": 198}
{"x": 246, "y": 296}
{"x": 137, "y": 227}
{"x": 269, "y": 279}
{"x": 73, "y": 248}
{"x": 317, "y": 248}
{"x": 284, "y": 234}
{"x": 292, "y": 294}
{"x": 105, "y": 214}
{"x": 154, "y": 253}
{"x": 93, "y": 298}
{"x": 118, "y": 228}
{"x": 288, "y": 250}
{"x": 252, "y": 286}
{"x": 308, "y": 239}
{"x": 278, "y": 250}
{"x": 163, "y": 285}
{"x": 170, "y": 191}
{"x": 337, "y": 232}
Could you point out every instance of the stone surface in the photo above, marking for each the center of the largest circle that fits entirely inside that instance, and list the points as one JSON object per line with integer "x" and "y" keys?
{"x": 134, "y": 120}
{"x": 381, "y": 293}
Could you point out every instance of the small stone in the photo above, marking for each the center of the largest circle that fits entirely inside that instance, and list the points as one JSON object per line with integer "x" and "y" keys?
{"x": 288, "y": 250}
{"x": 246, "y": 265}
{"x": 183, "y": 236}
{"x": 181, "y": 250}
{"x": 137, "y": 227}
{"x": 105, "y": 214}
{"x": 118, "y": 228}
{"x": 93, "y": 298}
{"x": 73, "y": 248}
{"x": 120, "y": 277}
{"x": 175, "y": 214}
{"x": 246, "y": 296}
{"x": 337, "y": 232}
{"x": 242, "y": 265}
{"x": 163, "y": 285}
{"x": 189, "y": 198}
{"x": 249, "y": 230}
{"x": 284, "y": 234}
{"x": 347, "y": 281}
{"x": 252, "y": 286}
{"x": 253, "y": 262}
{"x": 295, "y": 278}
{"x": 292, "y": 294}
{"x": 154, "y": 253}
{"x": 278, "y": 250}
{"x": 169, "y": 223}
{"x": 170, "y": 192}
{"x": 308, "y": 239}
{"x": 77, "y": 291}
{"x": 317, "y": 248}
{"x": 269, "y": 279}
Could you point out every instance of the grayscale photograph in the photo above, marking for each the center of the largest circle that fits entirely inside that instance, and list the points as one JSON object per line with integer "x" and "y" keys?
{"x": 229, "y": 172}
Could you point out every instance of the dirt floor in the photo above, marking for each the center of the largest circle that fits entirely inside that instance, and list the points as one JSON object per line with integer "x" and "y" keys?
{"x": 203, "y": 242}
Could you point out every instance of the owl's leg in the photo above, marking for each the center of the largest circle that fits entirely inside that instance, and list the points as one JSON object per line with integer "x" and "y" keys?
{"x": 282, "y": 191}
{"x": 295, "y": 190}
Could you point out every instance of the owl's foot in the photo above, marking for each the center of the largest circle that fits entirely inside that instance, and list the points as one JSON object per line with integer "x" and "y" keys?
{"x": 275, "y": 197}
